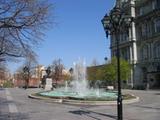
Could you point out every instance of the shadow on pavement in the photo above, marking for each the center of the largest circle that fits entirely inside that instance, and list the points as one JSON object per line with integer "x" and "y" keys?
{"x": 147, "y": 107}
{"x": 6, "y": 115}
{"x": 1, "y": 89}
{"x": 157, "y": 93}
{"x": 13, "y": 116}
{"x": 90, "y": 114}
{"x": 4, "y": 102}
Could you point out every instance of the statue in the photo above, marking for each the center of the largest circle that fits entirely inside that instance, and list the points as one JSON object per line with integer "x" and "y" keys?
{"x": 48, "y": 80}
{"x": 48, "y": 72}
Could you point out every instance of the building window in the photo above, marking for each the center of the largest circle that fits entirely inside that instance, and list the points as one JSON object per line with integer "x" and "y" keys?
{"x": 147, "y": 8}
{"x": 157, "y": 4}
{"x": 146, "y": 29}
{"x": 157, "y": 50}
{"x": 158, "y": 68}
{"x": 138, "y": 32}
{"x": 144, "y": 52}
{"x": 123, "y": 37}
{"x": 154, "y": 4}
{"x": 125, "y": 53}
{"x": 143, "y": 29}
{"x": 157, "y": 25}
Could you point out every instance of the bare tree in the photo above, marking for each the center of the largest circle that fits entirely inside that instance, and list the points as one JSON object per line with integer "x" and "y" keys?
{"x": 18, "y": 75}
{"x": 2, "y": 72}
{"x": 29, "y": 67}
{"x": 57, "y": 68}
{"x": 21, "y": 26}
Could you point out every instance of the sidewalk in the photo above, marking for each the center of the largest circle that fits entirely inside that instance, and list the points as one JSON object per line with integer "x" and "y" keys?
{"x": 8, "y": 110}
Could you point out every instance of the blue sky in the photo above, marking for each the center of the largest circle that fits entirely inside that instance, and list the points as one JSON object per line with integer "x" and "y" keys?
{"x": 78, "y": 32}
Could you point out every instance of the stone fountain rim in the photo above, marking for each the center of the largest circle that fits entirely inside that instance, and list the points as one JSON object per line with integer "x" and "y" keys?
{"x": 81, "y": 102}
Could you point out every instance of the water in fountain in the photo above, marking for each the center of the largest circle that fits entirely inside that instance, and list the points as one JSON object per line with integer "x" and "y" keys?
{"x": 79, "y": 83}
{"x": 66, "y": 86}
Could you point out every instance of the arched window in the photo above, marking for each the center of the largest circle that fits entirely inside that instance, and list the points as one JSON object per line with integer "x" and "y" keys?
{"x": 144, "y": 30}
{"x": 157, "y": 50}
{"x": 144, "y": 52}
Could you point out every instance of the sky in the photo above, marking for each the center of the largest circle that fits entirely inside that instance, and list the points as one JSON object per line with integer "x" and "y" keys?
{"x": 77, "y": 33}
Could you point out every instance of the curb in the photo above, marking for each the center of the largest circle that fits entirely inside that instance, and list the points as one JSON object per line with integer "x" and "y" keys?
{"x": 81, "y": 102}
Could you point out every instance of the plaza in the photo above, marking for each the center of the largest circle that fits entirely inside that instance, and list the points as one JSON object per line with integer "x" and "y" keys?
{"x": 15, "y": 105}
{"x": 133, "y": 27}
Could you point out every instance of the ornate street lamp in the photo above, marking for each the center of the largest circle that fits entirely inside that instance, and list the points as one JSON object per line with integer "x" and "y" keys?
{"x": 115, "y": 23}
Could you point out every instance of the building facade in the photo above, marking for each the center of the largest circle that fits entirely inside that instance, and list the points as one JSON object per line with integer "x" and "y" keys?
{"x": 35, "y": 77}
{"x": 141, "y": 45}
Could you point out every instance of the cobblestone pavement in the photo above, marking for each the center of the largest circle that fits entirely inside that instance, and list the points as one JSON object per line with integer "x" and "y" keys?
{"x": 15, "y": 105}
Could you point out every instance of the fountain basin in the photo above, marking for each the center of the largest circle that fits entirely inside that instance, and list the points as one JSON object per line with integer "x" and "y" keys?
{"x": 93, "y": 95}
{"x": 73, "y": 100}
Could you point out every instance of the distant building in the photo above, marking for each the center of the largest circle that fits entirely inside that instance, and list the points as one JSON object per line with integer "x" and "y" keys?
{"x": 142, "y": 46}
{"x": 34, "y": 80}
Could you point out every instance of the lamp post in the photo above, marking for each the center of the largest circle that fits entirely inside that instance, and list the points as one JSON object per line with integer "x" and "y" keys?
{"x": 115, "y": 23}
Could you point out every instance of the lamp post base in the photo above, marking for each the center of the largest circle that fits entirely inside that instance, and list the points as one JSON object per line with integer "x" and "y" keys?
{"x": 119, "y": 108}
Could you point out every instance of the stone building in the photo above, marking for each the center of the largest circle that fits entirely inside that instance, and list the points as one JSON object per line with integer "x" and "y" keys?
{"x": 141, "y": 46}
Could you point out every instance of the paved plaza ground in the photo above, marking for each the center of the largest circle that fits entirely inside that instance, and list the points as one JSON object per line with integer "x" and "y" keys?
{"x": 15, "y": 105}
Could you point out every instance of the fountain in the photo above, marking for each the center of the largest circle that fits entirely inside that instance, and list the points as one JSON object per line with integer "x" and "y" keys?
{"x": 79, "y": 88}
{"x": 79, "y": 83}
